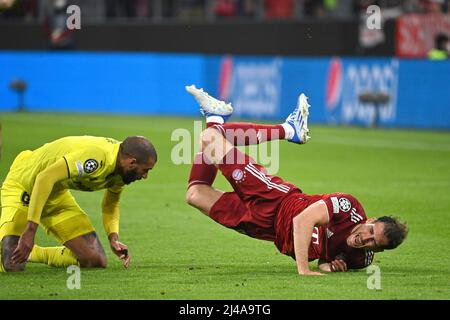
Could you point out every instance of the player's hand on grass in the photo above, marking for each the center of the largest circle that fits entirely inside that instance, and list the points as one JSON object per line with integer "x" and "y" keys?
{"x": 310, "y": 273}
{"x": 338, "y": 265}
{"x": 120, "y": 250}
{"x": 25, "y": 245}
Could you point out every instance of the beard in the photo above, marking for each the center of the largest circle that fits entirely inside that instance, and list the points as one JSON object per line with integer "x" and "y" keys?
{"x": 130, "y": 176}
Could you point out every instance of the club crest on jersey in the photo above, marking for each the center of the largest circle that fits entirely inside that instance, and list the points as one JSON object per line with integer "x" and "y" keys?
{"x": 344, "y": 204}
{"x": 238, "y": 175}
{"x": 90, "y": 165}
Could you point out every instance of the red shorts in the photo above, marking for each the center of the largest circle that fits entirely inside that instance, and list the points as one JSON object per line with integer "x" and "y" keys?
{"x": 252, "y": 207}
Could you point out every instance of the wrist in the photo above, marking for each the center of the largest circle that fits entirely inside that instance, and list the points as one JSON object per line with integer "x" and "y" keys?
{"x": 303, "y": 269}
{"x": 113, "y": 237}
{"x": 32, "y": 226}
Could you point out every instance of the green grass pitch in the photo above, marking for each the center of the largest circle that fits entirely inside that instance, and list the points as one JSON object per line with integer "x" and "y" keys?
{"x": 178, "y": 253}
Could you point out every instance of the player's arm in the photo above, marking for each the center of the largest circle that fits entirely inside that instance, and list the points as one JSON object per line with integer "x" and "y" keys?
{"x": 111, "y": 217}
{"x": 337, "y": 265}
{"x": 43, "y": 186}
{"x": 303, "y": 225}
{"x": 111, "y": 212}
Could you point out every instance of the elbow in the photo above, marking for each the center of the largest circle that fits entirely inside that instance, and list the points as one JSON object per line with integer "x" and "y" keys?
{"x": 44, "y": 178}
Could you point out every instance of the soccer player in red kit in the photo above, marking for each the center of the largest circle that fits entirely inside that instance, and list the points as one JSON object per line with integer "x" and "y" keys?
{"x": 332, "y": 228}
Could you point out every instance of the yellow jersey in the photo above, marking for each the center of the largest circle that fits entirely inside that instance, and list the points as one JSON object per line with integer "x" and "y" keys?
{"x": 91, "y": 162}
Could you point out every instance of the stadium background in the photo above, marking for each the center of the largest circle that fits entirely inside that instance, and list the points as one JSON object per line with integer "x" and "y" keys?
{"x": 124, "y": 73}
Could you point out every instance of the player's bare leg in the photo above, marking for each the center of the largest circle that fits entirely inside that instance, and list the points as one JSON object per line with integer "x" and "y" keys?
{"x": 88, "y": 250}
{"x": 214, "y": 146}
{"x": 200, "y": 193}
{"x": 221, "y": 137}
{"x": 216, "y": 113}
{"x": 9, "y": 244}
{"x": 203, "y": 197}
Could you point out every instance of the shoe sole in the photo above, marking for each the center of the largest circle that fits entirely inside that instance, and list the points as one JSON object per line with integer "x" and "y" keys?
{"x": 221, "y": 109}
{"x": 304, "y": 106}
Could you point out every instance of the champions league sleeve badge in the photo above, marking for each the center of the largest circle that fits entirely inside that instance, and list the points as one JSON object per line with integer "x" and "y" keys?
{"x": 345, "y": 204}
{"x": 90, "y": 166}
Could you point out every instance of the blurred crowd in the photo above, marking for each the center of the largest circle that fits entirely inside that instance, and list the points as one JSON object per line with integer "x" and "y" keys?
{"x": 173, "y": 10}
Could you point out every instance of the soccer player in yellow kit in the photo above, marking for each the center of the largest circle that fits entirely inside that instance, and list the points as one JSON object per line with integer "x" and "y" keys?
{"x": 36, "y": 192}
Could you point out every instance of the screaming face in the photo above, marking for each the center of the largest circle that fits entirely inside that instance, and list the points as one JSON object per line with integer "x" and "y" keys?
{"x": 369, "y": 236}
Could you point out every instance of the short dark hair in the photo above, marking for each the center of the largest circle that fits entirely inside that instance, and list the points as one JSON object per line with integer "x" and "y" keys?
{"x": 140, "y": 148}
{"x": 440, "y": 40}
{"x": 394, "y": 230}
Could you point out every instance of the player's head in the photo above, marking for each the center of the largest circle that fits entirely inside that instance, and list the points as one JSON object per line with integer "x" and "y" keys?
{"x": 378, "y": 234}
{"x": 136, "y": 157}
{"x": 441, "y": 41}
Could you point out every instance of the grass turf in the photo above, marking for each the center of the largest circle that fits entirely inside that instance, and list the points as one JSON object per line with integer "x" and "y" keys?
{"x": 177, "y": 253}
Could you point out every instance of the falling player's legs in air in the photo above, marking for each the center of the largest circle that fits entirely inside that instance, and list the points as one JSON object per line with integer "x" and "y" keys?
{"x": 252, "y": 186}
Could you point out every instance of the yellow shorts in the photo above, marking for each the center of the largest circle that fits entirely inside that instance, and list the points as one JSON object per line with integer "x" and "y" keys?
{"x": 61, "y": 218}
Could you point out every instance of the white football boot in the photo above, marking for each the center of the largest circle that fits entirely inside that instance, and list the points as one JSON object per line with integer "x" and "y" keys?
{"x": 298, "y": 120}
{"x": 210, "y": 106}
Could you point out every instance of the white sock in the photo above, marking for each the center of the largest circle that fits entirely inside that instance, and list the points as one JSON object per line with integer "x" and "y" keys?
{"x": 215, "y": 119}
{"x": 288, "y": 131}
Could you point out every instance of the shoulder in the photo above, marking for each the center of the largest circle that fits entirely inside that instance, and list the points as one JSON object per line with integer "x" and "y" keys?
{"x": 344, "y": 201}
{"x": 85, "y": 160}
{"x": 95, "y": 152}
{"x": 343, "y": 205}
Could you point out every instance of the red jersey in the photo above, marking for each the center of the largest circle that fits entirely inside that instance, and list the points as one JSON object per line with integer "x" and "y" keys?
{"x": 263, "y": 206}
{"x": 328, "y": 241}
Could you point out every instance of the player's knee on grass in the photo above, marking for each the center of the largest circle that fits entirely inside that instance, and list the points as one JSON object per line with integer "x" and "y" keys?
{"x": 88, "y": 250}
{"x": 9, "y": 244}
{"x": 93, "y": 260}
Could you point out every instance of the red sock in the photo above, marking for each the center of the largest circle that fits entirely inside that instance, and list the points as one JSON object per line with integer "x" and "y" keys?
{"x": 244, "y": 134}
{"x": 201, "y": 172}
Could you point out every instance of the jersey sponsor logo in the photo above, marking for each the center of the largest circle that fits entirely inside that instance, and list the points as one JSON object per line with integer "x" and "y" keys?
{"x": 90, "y": 165}
{"x": 345, "y": 204}
{"x": 335, "y": 203}
{"x": 355, "y": 216}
